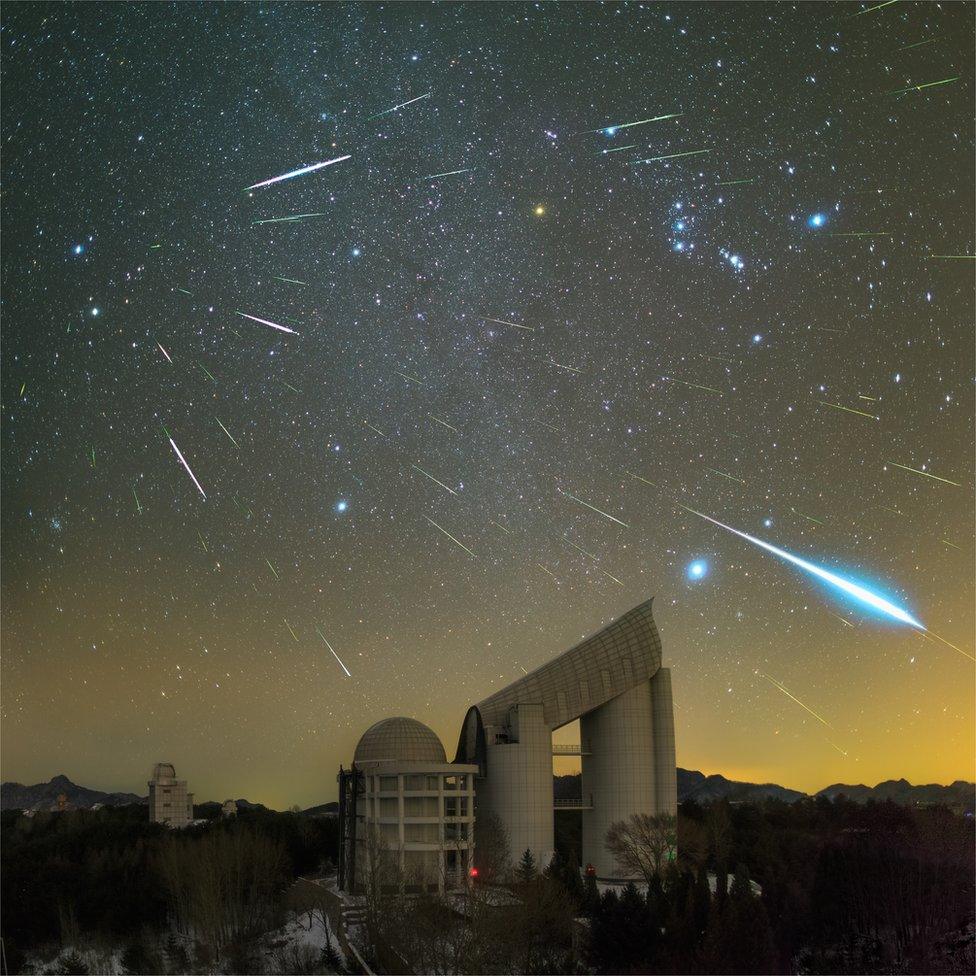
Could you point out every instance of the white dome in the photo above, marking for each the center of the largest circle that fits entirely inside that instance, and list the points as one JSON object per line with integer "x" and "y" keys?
{"x": 403, "y": 739}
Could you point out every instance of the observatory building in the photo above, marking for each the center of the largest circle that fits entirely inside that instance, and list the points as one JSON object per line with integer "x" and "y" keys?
{"x": 404, "y": 811}
{"x": 169, "y": 802}
{"x": 612, "y": 682}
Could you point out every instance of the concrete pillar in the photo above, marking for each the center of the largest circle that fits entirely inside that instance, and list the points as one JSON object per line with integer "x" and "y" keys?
{"x": 618, "y": 774}
{"x": 665, "y": 775}
{"x": 518, "y": 784}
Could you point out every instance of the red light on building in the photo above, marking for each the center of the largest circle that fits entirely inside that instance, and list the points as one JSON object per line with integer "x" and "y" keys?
{"x": 590, "y": 871}
{"x": 473, "y": 872}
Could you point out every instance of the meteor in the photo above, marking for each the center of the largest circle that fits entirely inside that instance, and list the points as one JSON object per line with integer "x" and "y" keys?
{"x": 925, "y": 474}
{"x": 928, "y": 84}
{"x": 185, "y": 465}
{"x": 657, "y": 159}
{"x": 776, "y": 684}
{"x": 297, "y": 172}
{"x": 432, "y": 478}
{"x": 138, "y": 505}
{"x": 451, "y": 537}
{"x": 228, "y": 433}
{"x": 274, "y": 325}
{"x": 855, "y": 590}
{"x": 161, "y": 349}
{"x": 281, "y": 220}
{"x": 395, "y": 108}
{"x": 514, "y": 325}
{"x": 611, "y": 129}
{"x": 329, "y": 646}
{"x": 593, "y": 508}
{"x": 453, "y": 172}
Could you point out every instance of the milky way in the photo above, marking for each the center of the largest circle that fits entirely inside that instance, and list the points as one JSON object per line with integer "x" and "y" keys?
{"x": 574, "y": 267}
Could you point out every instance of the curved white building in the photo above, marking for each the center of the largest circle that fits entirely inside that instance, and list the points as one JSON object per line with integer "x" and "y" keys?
{"x": 406, "y": 815}
{"x": 614, "y": 684}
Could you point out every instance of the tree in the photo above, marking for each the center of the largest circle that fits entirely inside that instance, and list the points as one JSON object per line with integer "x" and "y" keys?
{"x": 526, "y": 867}
{"x": 643, "y": 844}
{"x": 491, "y": 852}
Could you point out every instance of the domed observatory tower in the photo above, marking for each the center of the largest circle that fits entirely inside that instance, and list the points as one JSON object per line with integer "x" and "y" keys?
{"x": 614, "y": 684}
{"x": 406, "y": 815}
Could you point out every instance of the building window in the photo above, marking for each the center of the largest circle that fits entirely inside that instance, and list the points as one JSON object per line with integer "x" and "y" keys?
{"x": 455, "y": 806}
{"x": 389, "y": 807}
{"x": 421, "y": 806}
{"x": 421, "y": 833}
{"x": 455, "y": 831}
{"x": 388, "y": 784}
{"x": 433, "y": 782}
{"x": 416, "y": 783}
{"x": 454, "y": 782}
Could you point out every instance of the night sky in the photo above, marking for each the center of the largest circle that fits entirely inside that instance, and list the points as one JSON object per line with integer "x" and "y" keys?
{"x": 498, "y": 387}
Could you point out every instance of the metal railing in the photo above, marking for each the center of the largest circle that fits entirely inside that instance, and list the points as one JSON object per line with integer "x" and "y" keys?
{"x": 572, "y": 749}
{"x": 573, "y": 803}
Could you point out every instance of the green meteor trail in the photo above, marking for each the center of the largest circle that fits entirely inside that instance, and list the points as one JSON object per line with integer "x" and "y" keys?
{"x": 928, "y": 84}
{"x": 658, "y": 159}
{"x": 924, "y": 474}
{"x": 610, "y": 129}
{"x": 228, "y": 433}
{"x": 282, "y": 220}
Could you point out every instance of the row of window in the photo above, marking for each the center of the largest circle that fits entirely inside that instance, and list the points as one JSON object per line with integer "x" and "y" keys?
{"x": 424, "y": 806}
{"x": 422, "y": 833}
{"x": 416, "y": 782}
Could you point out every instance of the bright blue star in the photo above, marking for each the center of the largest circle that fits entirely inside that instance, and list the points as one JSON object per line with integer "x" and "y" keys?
{"x": 341, "y": 505}
{"x": 78, "y": 249}
{"x": 697, "y": 570}
{"x": 611, "y": 130}
{"x": 679, "y": 246}
{"x": 816, "y": 220}
{"x": 356, "y": 252}
{"x": 757, "y": 338}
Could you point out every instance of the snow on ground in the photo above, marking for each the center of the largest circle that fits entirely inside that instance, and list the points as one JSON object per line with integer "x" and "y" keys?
{"x": 104, "y": 962}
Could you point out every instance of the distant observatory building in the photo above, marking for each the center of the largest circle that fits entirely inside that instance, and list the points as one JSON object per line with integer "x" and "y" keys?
{"x": 612, "y": 682}
{"x": 169, "y": 802}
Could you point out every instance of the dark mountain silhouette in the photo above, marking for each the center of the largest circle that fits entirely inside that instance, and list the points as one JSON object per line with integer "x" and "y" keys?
{"x": 960, "y": 795}
{"x": 45, "y": 796}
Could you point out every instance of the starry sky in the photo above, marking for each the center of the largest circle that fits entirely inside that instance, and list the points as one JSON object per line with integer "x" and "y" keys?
{"x": 451, "y": 414}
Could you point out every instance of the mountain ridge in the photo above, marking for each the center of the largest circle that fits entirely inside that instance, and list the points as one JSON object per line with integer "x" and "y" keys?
{"x": 692, "y": 785}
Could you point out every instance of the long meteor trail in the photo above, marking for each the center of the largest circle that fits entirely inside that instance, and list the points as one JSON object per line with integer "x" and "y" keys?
{"x": 599, "y": 511}
{"x": 860, "y": 593}
{"x": 297, "y": 172}
{"x": 610, "y": 129}
{"x": 273, "y": 325}
{"x": 331, "y": 648}
{"x": 657, "y": 159}
{"x": 185, "y": 465}
{"x": 451, "y": 537}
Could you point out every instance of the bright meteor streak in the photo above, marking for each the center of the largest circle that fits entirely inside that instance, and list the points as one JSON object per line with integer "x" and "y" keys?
{"x": 274, "y": 325}
{"x": 185, "y": 465}
{"x": 297, "y": 172}
{"x": 629, "y": 125}
{"x": 329, "y": 646}
{"x": 860, "y": 593}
